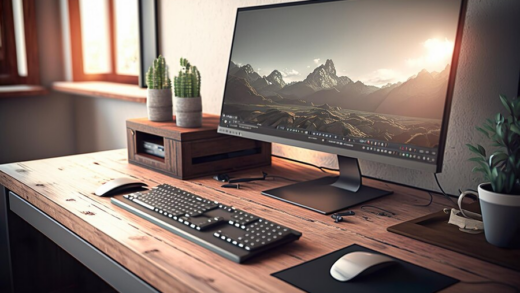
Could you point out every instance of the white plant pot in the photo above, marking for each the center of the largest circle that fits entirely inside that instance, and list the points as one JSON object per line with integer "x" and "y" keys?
{"x": 159, "y": 104}
{"x": 188, "y": 112}
{"x": 501, "y": 216}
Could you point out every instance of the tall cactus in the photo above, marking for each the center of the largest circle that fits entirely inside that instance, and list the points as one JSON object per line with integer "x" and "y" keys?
{"x": 187, "y": 83}
{"x": 158, "y": 75}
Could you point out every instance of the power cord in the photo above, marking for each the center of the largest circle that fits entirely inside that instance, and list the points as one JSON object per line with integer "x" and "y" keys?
{"x": 442, "y": 190}
{"x": 233, "y": 182}
{"x": 383, "y": 212}
{"x": 281, "y": 177}
{"x": 322, "y": 169}
{"x": 425, "y": 205}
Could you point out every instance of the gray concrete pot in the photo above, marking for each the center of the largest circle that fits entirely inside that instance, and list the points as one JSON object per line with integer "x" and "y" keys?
{"x": 159, "y": 104}
{"x": 501, "y": 216}
{"x": 188, "y": 112}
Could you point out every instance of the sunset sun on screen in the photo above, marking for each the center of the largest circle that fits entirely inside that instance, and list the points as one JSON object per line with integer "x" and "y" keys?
{"x": 438, "y": 50}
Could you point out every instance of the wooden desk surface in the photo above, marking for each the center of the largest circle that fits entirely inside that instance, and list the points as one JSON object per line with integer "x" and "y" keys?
{"x": 64, "y": 189}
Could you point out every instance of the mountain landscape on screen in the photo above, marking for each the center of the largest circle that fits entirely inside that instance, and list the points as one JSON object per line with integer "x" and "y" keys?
{"x": 403, "y": 112}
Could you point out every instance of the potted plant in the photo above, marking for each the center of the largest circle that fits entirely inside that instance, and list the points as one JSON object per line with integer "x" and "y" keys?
{"x": 159, "y": 94}
{"x": 500, "y": 194}
{"x": 188, "y": 104}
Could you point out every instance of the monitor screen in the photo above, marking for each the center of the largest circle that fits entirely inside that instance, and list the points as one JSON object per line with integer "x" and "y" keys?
{"x": 365, "y": 79}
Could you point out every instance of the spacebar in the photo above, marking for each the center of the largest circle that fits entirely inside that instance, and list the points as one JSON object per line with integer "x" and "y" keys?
{"x": 143, "y": 204}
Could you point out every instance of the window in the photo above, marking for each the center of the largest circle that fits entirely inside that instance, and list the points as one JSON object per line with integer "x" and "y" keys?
{"x": 18, "y": 43}
{"x": 104, "y": 40}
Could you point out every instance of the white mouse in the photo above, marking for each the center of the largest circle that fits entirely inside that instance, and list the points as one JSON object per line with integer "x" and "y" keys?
{"x": 118, "y": 185}
{"x": 353, "y": 264}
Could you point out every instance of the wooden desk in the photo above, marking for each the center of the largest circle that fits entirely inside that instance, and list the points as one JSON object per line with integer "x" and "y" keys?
{"x": 62, "y": 188}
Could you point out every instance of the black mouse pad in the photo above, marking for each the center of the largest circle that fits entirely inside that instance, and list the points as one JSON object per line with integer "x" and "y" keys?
{"x": 314, "y": 276}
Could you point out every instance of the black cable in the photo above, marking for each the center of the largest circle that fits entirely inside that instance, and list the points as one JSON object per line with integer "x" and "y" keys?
{"x": 322, "y": 169}
{"x": 442, "y": 190}
{"x": 425, "y": 205}
{"x": 365, "y": 207}
{"x": 492, "y": 282}
{"x": 281, "y": 177}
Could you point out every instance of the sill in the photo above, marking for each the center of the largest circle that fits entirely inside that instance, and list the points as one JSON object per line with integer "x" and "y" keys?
{"x": 18, "y": 90}
{"x": 102, "y": 89}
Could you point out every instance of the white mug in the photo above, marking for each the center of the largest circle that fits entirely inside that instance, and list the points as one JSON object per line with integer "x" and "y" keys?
{"x": 461, "y": 197}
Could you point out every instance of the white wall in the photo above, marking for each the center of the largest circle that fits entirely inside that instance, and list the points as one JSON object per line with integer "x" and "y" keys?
{"x": 41, "y": 126}
{"x": 101, "y": 123}
{"x": 489, "y": 64}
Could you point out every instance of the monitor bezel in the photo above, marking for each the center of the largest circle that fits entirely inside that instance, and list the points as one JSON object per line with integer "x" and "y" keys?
{"x": 407, "y": 163}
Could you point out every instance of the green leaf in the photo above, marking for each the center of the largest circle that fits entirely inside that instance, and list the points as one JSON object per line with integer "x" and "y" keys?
{"x": 488, "y": 127}
{"x": 483, "y": 131}
{"x": 515, "y": 129}
{"x": 494, "y": 173}
{"x": 506, "y": 104}
{"x": 516, "y": 106}
{"x": 493, "y": 186}
{"x": 482, "y": 163}
{"x": 496, "y": 158}
{"x": 499, "y": 118}
{"x": 477, "y": 159}
{"x": 473, "y": 149}
{"x": 500, "y": 182}
{"x": 502, "y": 133}
{"x": 477, "y": 169}
{"x": 481, "y": 150}
{"x": 511, "y": 182}
{"x": 510, "y": 137}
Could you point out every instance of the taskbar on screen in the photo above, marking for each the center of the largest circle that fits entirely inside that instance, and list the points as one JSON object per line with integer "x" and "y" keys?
{"x": 368, "y": 145}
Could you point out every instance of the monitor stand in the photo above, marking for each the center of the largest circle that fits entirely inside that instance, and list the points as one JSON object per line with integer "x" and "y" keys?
{"x": 329, "y": 194}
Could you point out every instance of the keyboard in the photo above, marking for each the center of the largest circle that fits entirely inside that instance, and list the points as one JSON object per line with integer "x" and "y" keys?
{"x": 232, "y": 233}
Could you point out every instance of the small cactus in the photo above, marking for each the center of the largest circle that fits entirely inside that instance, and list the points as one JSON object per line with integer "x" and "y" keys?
{"x": 187, "y": 83}
{"x": 158, "y": 76}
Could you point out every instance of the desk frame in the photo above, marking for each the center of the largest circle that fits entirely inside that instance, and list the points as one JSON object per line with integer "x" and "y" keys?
{"x": 110, "y": 271}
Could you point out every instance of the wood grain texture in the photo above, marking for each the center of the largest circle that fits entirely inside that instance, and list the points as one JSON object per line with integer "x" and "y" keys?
{"x": 193, "y": 152}
{"x": 63, "y": 188}
{"x": 170, "y": 130}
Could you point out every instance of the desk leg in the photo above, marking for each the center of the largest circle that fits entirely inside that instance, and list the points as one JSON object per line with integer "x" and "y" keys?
{"x": 6, "y": 281}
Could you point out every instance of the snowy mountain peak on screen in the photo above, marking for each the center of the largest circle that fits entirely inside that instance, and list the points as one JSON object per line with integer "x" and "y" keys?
{"x": 248, "y": 73}
{"x": 324, "y": 77}
{"x": 276, "y": 78}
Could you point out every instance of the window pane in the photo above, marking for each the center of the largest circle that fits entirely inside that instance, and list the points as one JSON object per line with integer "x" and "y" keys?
{"x": 19, "y": 36}
{"x": 95, "y": 36}
{"x": 127, "y": 37}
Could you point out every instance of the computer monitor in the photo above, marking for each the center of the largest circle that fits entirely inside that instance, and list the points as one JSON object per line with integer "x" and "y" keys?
{"x": 365, "y": 79}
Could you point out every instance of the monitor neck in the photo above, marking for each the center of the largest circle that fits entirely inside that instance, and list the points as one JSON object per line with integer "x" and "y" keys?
{"x": 349, "y": 174}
